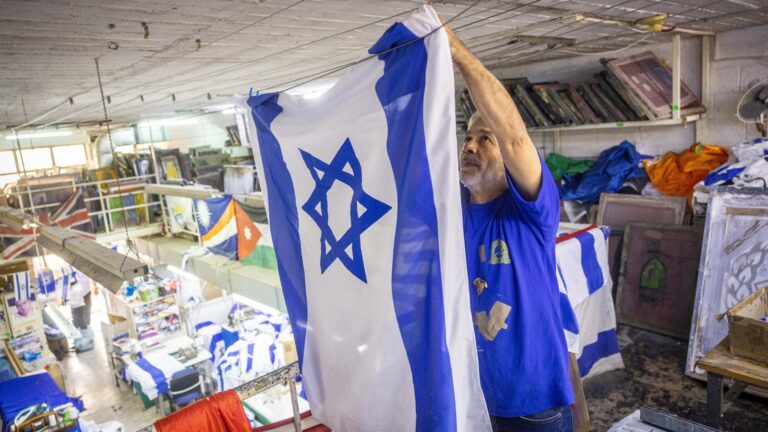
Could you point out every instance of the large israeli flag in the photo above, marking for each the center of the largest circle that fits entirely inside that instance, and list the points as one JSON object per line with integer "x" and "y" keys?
{"x": 362, "y": 195}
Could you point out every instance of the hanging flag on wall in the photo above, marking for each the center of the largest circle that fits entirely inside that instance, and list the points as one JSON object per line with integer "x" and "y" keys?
{"x": 363, "y": 199}
{"x": 180, "y": 213}
{"x": 225, "y": 228}
{"x": 70, "y": 214}
{"x": 22, "y": 285}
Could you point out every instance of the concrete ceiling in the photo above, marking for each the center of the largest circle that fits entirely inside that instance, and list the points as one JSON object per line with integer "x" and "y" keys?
{"x": 161, "y": 57}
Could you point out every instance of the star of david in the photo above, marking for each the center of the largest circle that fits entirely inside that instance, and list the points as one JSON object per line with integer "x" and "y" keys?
{"x": 364, "y": 210}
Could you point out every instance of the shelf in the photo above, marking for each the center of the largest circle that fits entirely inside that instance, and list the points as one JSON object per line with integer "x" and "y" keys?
{"x": 684, "y": 120}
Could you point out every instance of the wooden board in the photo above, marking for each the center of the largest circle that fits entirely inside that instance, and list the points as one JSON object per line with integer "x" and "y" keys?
{"x": 722, "y": 362}
{"x": 657, "y": 279}
{"x": 617, "y": 210}
{"x": 747, "y": 333}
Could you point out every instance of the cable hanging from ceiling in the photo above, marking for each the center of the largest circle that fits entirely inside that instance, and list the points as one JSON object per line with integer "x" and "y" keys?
{"x": 128, "y": 241}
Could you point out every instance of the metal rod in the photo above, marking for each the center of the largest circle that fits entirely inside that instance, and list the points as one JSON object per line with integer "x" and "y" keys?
{"x": 97, "y": 182}
{"x": 295, "y": 406}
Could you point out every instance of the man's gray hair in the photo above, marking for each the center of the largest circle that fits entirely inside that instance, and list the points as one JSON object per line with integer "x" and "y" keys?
{"x": 473, "y": 119}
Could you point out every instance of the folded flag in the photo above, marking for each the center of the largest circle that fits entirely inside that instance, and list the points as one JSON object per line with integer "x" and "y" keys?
{"x": 225, "y": 228}
{"x": 362, "y": 195}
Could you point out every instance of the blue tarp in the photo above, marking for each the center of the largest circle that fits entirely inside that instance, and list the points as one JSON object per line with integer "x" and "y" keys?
{"x": 19, "y": 393}
{"x": 613, "y": 167}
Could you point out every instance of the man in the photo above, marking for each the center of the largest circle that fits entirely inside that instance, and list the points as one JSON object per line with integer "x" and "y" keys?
{"x": 511, "y": 212}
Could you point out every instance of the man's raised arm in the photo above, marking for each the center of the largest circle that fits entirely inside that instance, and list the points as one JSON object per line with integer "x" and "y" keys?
{"x": 499, "y": 112}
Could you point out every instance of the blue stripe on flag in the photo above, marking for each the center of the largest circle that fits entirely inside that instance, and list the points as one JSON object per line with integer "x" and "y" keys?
{"x": 592, "y": 270}
{"x": 568, "y": 316}
{"x": 203, "y": 324}
{"x": 418, "y": 303}
{"x": 157, "y": 375}
{"x": 249, "y": 363}
{"x": 605, "y": 345}
{"x": 283, "y": 208}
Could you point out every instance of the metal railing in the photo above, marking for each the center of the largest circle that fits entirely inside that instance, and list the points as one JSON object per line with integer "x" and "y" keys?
{"x": 111, "y": 212}
{"x": 282, "y": 376}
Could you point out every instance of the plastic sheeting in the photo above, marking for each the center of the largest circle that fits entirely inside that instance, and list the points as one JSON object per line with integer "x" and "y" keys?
{"x": 675, "y": 174}
{"x": 613, "y": 167}
{"x": 22, "y": 392}
{"x": 560, "y": 165}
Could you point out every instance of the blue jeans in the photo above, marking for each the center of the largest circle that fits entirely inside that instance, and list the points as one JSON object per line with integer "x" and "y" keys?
{"x": 557, "y": 419}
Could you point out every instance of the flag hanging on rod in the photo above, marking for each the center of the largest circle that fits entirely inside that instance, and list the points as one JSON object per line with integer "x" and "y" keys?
{"x": 362, "y": 192}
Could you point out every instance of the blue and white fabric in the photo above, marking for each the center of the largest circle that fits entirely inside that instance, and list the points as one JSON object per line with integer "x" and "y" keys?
{"x": 585, "y": 278}
{"x": 211, "y": 337}
{"x": 363, "y": 201}
{"x": 152, "y": 372}
{"x": 245, "y": 360}
{"x": 21, "y": 285}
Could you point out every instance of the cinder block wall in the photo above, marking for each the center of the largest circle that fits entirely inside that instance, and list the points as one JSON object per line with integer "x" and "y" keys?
{"x": 739, "y": 58}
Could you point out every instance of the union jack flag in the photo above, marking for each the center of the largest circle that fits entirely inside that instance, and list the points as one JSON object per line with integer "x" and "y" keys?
{"x": 70, "y": 214}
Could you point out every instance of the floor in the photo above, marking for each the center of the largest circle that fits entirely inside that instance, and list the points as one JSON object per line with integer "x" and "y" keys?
{"x": 653, "y": 377}
{"x": 89, "y": 375}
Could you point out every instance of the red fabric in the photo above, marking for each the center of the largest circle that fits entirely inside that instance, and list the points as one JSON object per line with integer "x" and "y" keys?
{"x": 247, "y": 233}
{"x": 222, "y": 412}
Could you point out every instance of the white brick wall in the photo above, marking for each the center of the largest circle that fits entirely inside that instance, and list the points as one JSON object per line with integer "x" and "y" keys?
{"x": 740, "y": 59}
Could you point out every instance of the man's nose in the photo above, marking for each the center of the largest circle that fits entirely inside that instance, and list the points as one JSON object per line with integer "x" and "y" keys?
{"x": 470, "y": 146}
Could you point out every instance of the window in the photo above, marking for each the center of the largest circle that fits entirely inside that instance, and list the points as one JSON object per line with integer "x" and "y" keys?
{"x": 5, "y": 179}
{"x": 35, "y": 159}
{"x": 7, "y": 163}
{"x": 71, "y": 155}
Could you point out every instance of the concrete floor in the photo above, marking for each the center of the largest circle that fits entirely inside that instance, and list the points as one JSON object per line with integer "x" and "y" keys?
{"x": 654, "y": 377}
{"x": 89, "y": 375}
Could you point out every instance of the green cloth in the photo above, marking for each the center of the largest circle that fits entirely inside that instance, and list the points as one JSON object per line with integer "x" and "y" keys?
{"x": 262, "y": 256}
{"x": 559, "y": 165}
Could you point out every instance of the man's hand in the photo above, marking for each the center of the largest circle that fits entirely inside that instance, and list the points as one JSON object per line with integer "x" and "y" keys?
{"x": 498, "y": 110}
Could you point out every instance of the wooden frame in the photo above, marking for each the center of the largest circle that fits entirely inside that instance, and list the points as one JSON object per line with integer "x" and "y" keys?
{"x": 654, "y": 204}
{"x": 669, "y": 210}
{"x": 734, "y": 263}
{"x": 676, "y": 250}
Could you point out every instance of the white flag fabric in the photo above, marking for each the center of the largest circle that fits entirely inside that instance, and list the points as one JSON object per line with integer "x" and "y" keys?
{"x": 362, "y": 194}
{"x": 180, "y": 214}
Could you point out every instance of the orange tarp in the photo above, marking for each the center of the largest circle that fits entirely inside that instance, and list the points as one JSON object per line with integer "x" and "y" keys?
{"x": 675, "y": 174}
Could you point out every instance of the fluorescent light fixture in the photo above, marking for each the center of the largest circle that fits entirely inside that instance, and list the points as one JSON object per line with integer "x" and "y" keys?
{"x": 194, "y": 192}
{"x": 173, "y": 121}
{"x": 44, "y": 134}
{"x": 107, "y": 267}
{"x": 17, "y": 219}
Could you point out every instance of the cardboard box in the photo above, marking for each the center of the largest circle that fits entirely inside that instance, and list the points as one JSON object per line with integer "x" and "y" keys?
{"x": 747, "y": 333}
{"x": 289, "y": 351}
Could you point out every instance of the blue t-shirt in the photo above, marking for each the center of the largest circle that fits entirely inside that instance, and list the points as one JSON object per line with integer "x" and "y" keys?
{"x": 510, "y": 244}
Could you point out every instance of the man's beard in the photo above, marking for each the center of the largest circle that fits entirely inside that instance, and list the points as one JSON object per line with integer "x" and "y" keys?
{"x": 488, "y": 177}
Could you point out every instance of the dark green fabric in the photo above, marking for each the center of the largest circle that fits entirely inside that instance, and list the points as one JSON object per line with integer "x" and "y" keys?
{"x": 559, "y": 165}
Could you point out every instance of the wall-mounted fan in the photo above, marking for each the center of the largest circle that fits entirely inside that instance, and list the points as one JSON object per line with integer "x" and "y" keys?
{"x": 753, "y": 107}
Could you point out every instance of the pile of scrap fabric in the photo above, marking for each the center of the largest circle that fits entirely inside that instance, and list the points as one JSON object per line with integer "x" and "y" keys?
{"x": 749, "y": 170}
{"x": 612, "y": 169}
{"x": 748, "y": 167}
{"x": 676, "y": 174}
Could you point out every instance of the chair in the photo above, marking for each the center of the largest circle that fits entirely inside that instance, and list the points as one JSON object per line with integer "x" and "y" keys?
{"x": 185, "y": 387}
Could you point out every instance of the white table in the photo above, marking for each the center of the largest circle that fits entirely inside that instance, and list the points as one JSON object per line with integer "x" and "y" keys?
{"x": 162, "y": 357}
